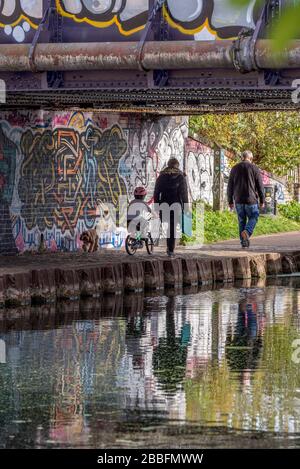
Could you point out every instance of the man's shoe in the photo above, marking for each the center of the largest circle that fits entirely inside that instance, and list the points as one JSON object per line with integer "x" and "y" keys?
{"x": 245, "y": 239}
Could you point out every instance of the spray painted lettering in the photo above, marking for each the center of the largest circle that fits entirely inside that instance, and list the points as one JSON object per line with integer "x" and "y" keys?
{"x": 189, "y": 17}
{"x": 219, "y": 17}
{"x": 68, "y": 171}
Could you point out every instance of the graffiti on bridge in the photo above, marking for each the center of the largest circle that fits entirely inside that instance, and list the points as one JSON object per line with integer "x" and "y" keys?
{"x": 18, "y": 17}
{"x": 189, "y": 17}
{"x": 67, "y": 172}
{"x": 219, "y": 17}
{"x": 129, "y": 15}
{"x": 13, "y": 11}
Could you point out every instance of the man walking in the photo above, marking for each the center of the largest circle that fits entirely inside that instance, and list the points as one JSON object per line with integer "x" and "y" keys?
{"x": 246, "y": 190}
{"x": 171, "y": 193}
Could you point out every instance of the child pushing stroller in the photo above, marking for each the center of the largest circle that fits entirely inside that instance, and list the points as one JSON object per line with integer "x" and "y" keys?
{"x": 138, "y": 223}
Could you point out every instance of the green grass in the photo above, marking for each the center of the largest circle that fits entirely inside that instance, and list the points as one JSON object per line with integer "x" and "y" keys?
{"x": 219, "y": 226}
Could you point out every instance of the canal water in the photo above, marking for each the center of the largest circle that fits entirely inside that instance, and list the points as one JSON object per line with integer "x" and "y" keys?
{"x": 203, "y": 370}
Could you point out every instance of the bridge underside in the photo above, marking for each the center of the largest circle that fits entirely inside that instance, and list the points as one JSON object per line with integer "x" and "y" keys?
{"x": 159, "y": 92}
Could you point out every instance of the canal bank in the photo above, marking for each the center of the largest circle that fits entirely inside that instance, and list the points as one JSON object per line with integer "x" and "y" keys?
{"x": 43, "y": 278}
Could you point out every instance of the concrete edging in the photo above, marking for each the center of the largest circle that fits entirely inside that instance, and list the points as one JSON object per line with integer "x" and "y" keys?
{"x": 40, "y": 285}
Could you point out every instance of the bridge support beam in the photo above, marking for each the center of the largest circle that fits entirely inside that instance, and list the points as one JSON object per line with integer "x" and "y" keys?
{"x": 166, "y": 55}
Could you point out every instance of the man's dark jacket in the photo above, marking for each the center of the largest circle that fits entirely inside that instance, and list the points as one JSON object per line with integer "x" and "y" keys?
{"x": 171, "y": 187}
{"x": 245, "y": 184}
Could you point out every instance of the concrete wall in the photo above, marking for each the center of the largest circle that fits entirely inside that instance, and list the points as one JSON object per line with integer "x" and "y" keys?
{"x": 199, "y": 167}
{"x": 283, "y": 196}
{"x": 57, "y": 167}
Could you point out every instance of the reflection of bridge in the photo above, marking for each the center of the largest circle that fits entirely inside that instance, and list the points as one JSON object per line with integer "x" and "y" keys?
{"x": 172, "y": 56}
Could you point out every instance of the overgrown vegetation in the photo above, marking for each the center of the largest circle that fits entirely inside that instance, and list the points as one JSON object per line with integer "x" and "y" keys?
{"x": 272, "y": 136}
{"x": 290, "y": 210}
{"x": 219, "y": 226}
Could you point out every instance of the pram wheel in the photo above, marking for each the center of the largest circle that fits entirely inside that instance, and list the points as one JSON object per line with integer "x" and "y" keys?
{"x": 130, "y": 245}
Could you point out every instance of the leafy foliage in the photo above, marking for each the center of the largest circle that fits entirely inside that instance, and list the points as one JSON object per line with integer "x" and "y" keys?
{"x": 290, "y": 211}
{"x": 273, "y": 137}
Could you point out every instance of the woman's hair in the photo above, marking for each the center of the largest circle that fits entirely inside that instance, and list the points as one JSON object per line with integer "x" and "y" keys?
{"x": 173, "y": 163}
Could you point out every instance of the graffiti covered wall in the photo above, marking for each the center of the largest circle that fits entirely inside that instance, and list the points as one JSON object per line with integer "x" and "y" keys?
{"x": 202, "y": 19}
{"x": 282, "y": 194}
{"x": 226, "y": 164}
{"x": 59, "y": 169}
{"x": 200, "y": 170}
{"x": 203, "y": 170}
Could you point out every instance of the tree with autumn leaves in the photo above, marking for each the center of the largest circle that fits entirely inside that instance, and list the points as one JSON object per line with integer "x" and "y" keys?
{"x": 274, "y": 137}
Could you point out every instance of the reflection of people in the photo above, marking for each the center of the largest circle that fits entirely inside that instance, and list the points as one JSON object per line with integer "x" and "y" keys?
{"x": 171, "y": 189}
{"x": 135, "y": 330}
{"x": 243, "y": 350}
{"x": 245, "y": 187}
{"x": 169, "y": 357}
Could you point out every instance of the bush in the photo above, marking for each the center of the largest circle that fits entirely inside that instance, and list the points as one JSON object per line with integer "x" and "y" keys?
{"x": 290, "y": 210}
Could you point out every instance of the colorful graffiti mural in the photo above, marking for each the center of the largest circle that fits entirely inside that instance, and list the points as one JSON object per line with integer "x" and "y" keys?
{"x": 130, "y": 15}
{"x": 14, "y": 11}
{"x": 282, "y": 195}
{"x": 68, "y": 171}
{"x": 216, "y": 17}
{"x": 188, "y": 17}
{"x": 18, "y": 17}
{"x": 149, "y": 149}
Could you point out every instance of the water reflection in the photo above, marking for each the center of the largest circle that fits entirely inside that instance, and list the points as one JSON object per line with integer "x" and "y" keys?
{"x": 205, "y": 369}
{"x": 243, "y": 347}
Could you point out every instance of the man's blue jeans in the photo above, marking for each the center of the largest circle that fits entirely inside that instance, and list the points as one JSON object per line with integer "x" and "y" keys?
{"x": 248, "y": 217}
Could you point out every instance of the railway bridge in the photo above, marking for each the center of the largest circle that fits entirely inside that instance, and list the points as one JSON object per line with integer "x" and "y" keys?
{"x": 159, "y": 56}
